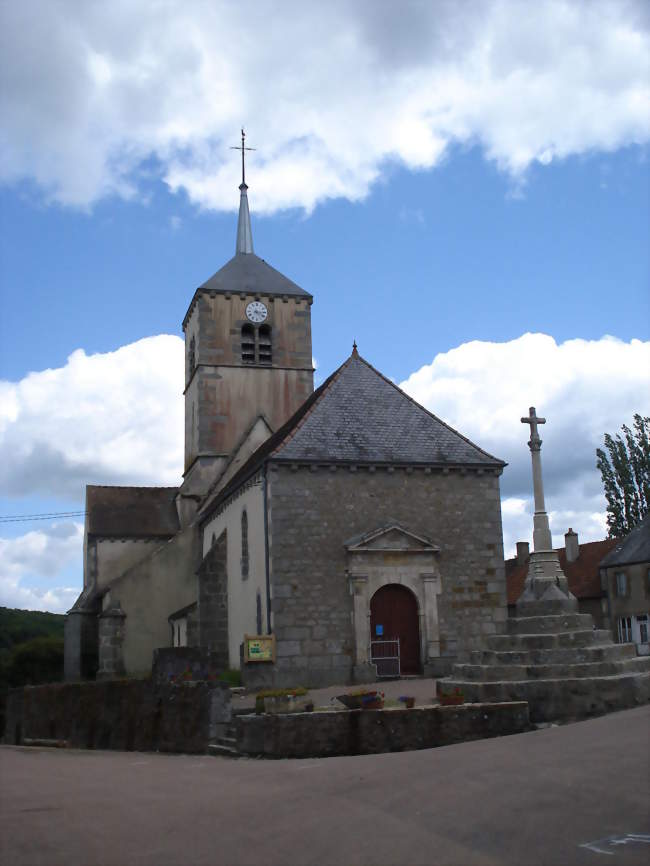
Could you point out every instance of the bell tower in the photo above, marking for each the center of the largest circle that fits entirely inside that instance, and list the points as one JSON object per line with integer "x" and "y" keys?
{"x": 248, "y": 356}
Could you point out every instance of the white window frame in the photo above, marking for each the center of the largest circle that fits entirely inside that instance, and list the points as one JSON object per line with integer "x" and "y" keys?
{"x": 625, "y": 629}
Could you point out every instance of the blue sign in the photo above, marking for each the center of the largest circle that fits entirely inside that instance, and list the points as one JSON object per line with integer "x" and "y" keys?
{"x": 379, "y": 629}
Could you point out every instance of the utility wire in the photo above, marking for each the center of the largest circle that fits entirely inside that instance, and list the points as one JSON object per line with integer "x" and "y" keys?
{"x": 52, "y": 515}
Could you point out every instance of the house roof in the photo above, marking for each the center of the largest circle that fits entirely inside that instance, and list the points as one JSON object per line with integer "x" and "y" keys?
{"x": 246, "y": 272}
{"x": 635, "y": 547}
{"x": 359, "y": 416}
{"x": 583, "y": 574}
{"x": 131, "y": 512}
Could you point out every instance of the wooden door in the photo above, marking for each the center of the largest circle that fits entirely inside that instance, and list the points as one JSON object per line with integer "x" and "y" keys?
{"x": 394, "y": 614}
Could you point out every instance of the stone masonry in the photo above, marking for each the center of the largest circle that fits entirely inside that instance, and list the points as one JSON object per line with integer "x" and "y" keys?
{"x": 314, "y": 509}
{"x": 213, "y": 601}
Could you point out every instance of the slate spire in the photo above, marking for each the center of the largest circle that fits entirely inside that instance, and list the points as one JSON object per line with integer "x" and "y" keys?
{"x": 244, "y": 234}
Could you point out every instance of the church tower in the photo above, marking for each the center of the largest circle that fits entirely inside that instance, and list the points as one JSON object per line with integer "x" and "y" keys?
{"x": 248, "y": 356}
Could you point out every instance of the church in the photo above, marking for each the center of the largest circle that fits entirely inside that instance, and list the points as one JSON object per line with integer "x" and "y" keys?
{"x": 318, "y": 537}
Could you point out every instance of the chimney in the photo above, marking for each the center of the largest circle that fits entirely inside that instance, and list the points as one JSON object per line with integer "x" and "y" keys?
{"x": 522, "y": 552}
{"x": 571, "y": 545}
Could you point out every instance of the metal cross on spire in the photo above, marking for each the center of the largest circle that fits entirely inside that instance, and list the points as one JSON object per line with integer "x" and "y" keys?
{"x": 243, "y": 149}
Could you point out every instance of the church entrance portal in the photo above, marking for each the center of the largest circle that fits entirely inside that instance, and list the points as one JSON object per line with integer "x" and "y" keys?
{"x": 394, "y": 615}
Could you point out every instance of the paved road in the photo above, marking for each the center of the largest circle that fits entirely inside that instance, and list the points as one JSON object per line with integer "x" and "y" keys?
{"x": 534, "y": 799}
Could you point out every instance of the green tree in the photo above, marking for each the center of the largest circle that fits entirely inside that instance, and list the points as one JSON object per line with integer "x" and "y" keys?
{"x": 624, "y": 466}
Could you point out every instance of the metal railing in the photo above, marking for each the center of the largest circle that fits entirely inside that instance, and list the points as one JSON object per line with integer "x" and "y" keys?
{"x": 385, "y": 655}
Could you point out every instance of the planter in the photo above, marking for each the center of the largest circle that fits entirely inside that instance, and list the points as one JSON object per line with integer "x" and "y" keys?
{"x": 355, "y": 701}
{"x": 409, "y": 703}
{"x": 451, "y": 700}
{"x": 373, "y": 704}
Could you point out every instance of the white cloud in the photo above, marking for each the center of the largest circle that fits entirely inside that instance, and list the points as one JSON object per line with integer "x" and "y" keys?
{"x": 97, "y": 95}
{"x": 114, "y": 418}
{"x": 584, "y": 389}
{"x": 40, "y": 553}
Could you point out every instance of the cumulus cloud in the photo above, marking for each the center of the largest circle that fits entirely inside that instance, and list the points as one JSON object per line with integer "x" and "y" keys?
{"x": 113, "y": 418}
{"x": 42, "y": 553}
{"x": 97, "y": 95}
{"x": 583, "y": 387}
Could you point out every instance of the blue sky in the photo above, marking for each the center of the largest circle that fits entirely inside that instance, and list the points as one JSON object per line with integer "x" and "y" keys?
{"x": 479, "y": 258}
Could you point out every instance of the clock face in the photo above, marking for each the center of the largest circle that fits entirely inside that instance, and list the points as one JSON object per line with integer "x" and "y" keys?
{"x": 256, "y": 312}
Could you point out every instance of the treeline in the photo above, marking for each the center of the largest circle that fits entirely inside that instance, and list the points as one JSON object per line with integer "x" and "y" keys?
{"x": 31, "y": 647}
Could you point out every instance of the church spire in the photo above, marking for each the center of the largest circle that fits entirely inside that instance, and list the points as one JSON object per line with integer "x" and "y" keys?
{"x": 244, "y": 233}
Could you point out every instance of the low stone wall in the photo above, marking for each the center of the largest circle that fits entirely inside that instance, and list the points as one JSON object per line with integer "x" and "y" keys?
{"x": 119, "y": 714}
{"x": 175, "y": 664}
{"x": 365, "y": 732}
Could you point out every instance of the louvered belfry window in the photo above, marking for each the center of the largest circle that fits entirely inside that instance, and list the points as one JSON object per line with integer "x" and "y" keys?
{"x": 244, "y": 544}
{"x": 256, "y": 346}
{"x": 248, "y": 344}
{"x": 264, "y": 344}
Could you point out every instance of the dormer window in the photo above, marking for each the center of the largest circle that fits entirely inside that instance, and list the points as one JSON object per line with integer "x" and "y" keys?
{"x": 256, "y": 346}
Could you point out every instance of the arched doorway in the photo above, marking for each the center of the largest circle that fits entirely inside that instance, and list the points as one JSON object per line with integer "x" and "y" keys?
{"x": 394, "y": 614}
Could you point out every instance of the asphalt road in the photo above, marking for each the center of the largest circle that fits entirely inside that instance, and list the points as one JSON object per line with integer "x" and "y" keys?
{"x": 577, "y": 794}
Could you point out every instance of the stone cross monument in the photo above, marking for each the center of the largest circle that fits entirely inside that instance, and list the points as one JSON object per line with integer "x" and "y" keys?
{"x": 546, "y": 589}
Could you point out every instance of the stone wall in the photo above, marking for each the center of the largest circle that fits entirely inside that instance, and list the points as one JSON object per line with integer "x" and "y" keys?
{"x": 213, "y": 600}
{"x": 315, "y": 510}
{"x": 365, "y": 732}
{"x": 123, "y": 714}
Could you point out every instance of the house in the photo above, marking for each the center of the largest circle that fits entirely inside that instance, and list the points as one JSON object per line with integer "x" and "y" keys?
{"x": 625, "y": 572}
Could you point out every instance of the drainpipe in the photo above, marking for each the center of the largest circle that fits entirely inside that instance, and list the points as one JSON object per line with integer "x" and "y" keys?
{"x": 266, "y": 552}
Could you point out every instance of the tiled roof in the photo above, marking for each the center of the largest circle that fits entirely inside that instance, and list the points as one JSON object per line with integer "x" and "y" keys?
{"x": 363, "y": 417}
{"x": 359, "y": 416}
{"x": 246, "y": 272}
{"x": 131, "y": 512}
{"x": 635, "y": 547}
{"x": 583, "y": 575}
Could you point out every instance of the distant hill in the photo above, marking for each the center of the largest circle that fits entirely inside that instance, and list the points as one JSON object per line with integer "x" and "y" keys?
{"x": 19, "y": 626}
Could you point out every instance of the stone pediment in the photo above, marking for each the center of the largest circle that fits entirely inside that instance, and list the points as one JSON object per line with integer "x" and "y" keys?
{"x": 390, "y": 537}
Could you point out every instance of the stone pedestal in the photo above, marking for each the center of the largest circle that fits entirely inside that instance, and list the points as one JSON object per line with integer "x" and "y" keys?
{"x": 546, "y": 590}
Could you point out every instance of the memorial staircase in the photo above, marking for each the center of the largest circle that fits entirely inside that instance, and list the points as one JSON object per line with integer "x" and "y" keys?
{"x": 558, "y": 662}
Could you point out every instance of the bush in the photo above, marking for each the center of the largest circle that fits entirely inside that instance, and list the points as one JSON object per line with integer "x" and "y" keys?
{"x": 39, "y": 660}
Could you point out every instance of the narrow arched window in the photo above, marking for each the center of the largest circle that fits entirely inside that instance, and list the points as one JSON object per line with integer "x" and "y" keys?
{"x": 191, "y": 358}
{"x": 264, "y": 344}
{"x": 244, "y": 544}
{"x": 248, "y": 344}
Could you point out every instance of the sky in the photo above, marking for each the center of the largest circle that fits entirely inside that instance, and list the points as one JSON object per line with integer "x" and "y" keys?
{"x": 463, "y": 187}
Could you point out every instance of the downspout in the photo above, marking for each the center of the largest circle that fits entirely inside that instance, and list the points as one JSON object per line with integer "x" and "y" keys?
{"x": 266, "y": 552}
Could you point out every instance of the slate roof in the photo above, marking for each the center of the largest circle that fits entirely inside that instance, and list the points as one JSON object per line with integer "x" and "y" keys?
{"x": 634, "y": 548}
{"x": 362, "y": 417}
{"x": 131, "y": 512}
{"x": 583, "y": 574}
{"x": 246, "y": 272}
{"x": 359, "y": 416}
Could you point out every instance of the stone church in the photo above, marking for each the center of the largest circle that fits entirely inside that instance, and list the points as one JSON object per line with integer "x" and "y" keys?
{"x": 351, "y": 524}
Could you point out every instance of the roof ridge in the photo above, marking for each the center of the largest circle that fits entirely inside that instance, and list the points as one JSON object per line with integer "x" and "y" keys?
{"x": 430, "y": 414}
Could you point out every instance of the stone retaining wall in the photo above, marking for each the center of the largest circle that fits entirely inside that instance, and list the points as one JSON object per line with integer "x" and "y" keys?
{"x": 121, "y": 714}
{"x": 364, "y": 732}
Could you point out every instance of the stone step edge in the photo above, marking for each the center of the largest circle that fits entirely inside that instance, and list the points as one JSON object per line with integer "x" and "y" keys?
{"x": 476, "y": 683}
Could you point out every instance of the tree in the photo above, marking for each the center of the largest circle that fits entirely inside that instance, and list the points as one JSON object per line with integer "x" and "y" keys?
{"x": 625, "y": 470}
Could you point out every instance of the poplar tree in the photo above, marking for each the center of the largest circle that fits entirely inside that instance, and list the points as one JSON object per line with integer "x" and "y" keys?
{"x": 624, "y": 466}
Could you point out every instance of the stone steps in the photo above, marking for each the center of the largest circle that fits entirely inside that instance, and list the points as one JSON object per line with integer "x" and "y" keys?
{"x": 564, "y": 639}
{"x": 577, "y": 655}
{"x": 554, "y": 623}
{"x": 562, "y": 699}
{"x": 569, "y": 670}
